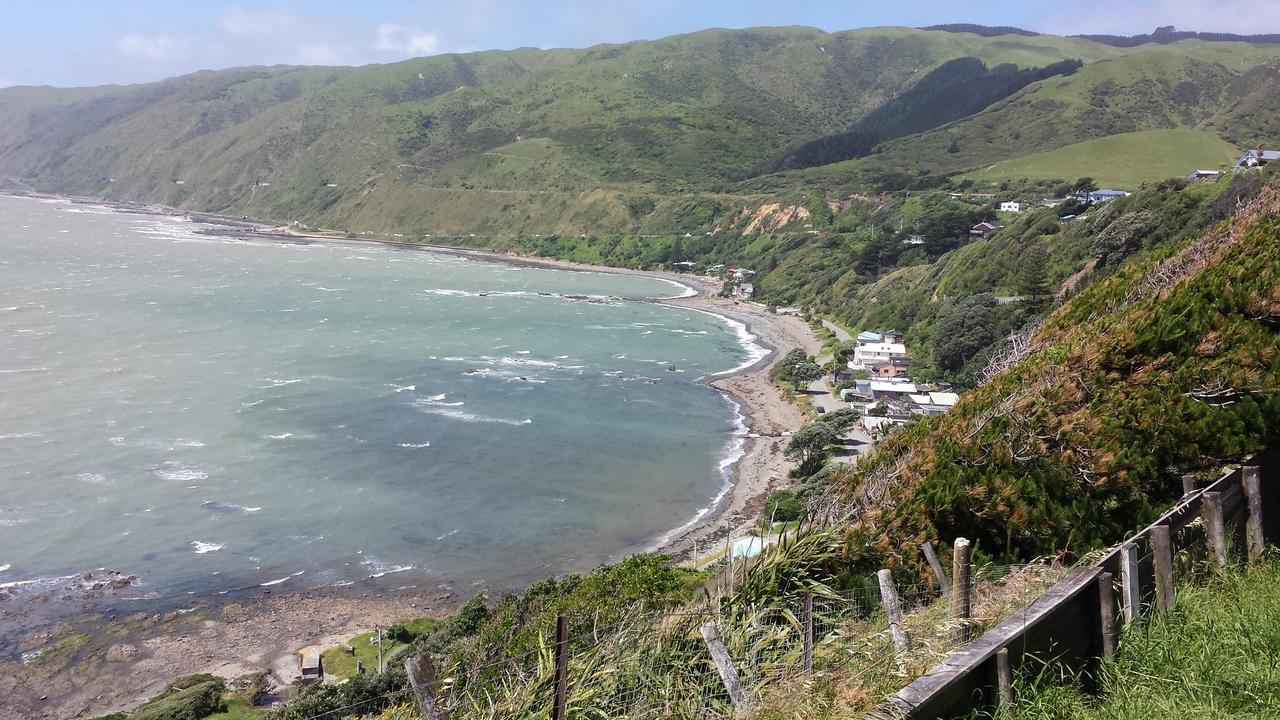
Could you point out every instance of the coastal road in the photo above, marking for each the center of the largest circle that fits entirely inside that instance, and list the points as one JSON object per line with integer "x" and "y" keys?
{"x": 841, "y": 334}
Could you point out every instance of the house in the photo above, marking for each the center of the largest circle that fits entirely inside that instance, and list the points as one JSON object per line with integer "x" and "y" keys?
{"x": 1011, "y": 207}
{"x": 982, "y": 196}
{"x": 684, "y": 265}
{"x": 1050, "y": 202}
{"x": 747, "y": 290}
{"x": 893, "y": 367}
{"x": 867, "y": 337}
{"x": 1102, "y": 195}
{"x": 876, "y": 353}
{"x": 1204, "y": 175}
{"x": 892, "y": 336}
{"x": 892, "y": 389}
{"x": 742, "y": 273}
{"x": 982, "y": 229}
{"x": 1254, "y": 158}
{"x": 914, "y": 240}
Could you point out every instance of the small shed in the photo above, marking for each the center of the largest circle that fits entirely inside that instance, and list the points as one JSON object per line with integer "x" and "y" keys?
{"x": 312, "y": 666}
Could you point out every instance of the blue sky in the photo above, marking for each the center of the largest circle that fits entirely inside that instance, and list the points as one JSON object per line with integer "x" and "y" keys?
{"x": 86, "y": 42}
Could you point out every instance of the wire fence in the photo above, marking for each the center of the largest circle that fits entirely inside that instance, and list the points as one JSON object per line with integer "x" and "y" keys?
{"x": 661, "y": 665}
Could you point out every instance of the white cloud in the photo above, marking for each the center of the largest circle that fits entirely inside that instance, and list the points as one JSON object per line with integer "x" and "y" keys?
{"x": 151, "y": 47}
{"x": 406, "y": 41}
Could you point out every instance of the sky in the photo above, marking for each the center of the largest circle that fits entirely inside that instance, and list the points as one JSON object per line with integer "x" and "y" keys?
{"x": 88, "y": 42}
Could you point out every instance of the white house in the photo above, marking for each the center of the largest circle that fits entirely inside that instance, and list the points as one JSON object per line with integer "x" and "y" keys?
{"x": 876, "y": 353}
{"x": 1011, "y": 207}
{"x": 1254, "y": 158}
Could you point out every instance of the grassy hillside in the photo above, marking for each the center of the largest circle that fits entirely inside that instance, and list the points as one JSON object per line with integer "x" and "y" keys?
{"x": 1170, "y": 365}
{"x": 1123, "y": 161}
{"x": 1219, "y": 87}
{"x": 538, "y": 141}
{"x": 1212, "y": 657}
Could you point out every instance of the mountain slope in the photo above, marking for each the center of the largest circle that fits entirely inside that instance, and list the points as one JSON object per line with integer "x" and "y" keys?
{"x": 1221, "y": 87}
{"x": 1170, "y": 365}
{"x": 517, "y": 141}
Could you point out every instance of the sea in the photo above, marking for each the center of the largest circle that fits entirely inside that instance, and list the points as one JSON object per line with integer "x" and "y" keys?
{"x": 203, "y": 414}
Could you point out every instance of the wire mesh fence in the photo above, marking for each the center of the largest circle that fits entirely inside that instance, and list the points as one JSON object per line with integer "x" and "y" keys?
{"x": 659, "y": 664}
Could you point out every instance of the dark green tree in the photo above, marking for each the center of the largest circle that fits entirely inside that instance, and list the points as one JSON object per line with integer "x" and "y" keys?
{"x": 969, "y": 327}
{"x": 808, "y": 446}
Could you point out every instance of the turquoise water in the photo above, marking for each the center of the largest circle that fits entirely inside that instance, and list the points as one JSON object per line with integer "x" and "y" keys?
{"x": 209, "y": 413}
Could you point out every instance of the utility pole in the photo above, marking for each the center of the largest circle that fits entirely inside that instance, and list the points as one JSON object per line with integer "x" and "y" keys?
{"x": 379, "y": 648}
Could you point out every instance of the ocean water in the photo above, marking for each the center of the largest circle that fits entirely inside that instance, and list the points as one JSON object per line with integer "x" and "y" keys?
{"x": 209, "y": 413}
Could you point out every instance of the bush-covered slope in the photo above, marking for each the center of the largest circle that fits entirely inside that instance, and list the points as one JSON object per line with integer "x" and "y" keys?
{"x": 1224, "y": 87}
{"x": 547, "y": 141}
{"x": 1170, "y": 365}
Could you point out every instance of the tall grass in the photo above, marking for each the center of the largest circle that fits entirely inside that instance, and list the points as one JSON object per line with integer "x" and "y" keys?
{"x": 1216, "y": 656}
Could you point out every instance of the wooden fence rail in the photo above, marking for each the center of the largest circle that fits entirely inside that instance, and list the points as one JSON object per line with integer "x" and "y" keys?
{"x": 1074, "y": 621}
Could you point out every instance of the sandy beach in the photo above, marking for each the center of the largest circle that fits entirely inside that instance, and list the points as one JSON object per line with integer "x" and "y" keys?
{"x": 98, "y": 662}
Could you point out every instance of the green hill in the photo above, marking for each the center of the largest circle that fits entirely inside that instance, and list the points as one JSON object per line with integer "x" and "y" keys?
{"x": 1124, "y": 161}
{"x": 1221, "y": 88}
{"x": 1168, "y": 366}
{"x": 539, "y": 141}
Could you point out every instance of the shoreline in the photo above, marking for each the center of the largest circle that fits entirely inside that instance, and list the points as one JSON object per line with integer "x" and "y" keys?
{"x": 765, "y": 413}
{"x": 283, "y": 621}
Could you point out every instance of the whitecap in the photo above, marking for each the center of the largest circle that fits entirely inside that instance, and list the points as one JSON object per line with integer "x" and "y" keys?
{"x": 180, "y": 472}
{"x": 281, "y": 436}
{"x": 415, "y": 446}
{"x": 15, "y": 436}
{"x": 96, "y": 478}
{"x": 448, "y": 534}
{"x": 470, "y": 417}
{"x": 379, "y": 569}
{"x": 404, "y": 388}
{"x": 218, "y": 506}
{"x": 202, "y": 547}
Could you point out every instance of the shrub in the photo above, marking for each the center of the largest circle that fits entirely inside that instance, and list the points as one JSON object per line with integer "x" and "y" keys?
{"x": 189, "y": 698}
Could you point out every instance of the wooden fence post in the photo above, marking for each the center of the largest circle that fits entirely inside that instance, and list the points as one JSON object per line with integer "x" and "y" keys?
{"x": 893, "y": 615}
{"x": 1107, "y": 605}
{"x": 944, "y": 582}
{"x": 1214, "y": 527}
{"x": 562, "y": 668}
{"x": 724, "y": 664}
{"x": 1251, "y": 483}
{"x": 1130, "y": 591}
{"x": 808, "y": 634}
{"x": 424, "y": 680}
{"x": 1188, "y": 484}
{"x": 1004, "y": 679}
{"x": 961, "y": 590}
{"x": 1162, "y": 557}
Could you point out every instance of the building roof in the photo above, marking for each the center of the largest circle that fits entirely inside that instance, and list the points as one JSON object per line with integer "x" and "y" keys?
{"x": 985, "y": 226}
{"x": 892, "y": 387}
{"x": 920, "y": 399}
{"x": 883, "y": 347}
{"x": 869, "y": 336}
{"x": 943, "y": 398}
